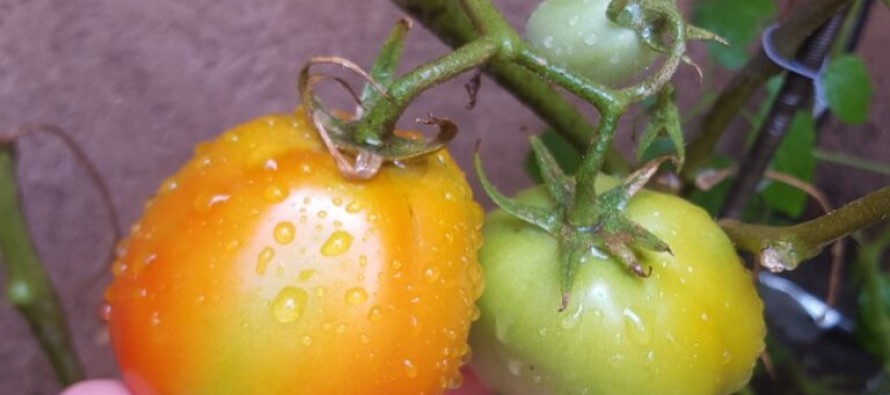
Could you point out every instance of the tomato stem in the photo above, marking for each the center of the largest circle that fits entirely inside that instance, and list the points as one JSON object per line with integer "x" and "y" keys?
{"x": 381, "y": 119}
{"x": 28, "y": 287}
{"x": 785, "y": 247}
{"x": 449, "y": 21}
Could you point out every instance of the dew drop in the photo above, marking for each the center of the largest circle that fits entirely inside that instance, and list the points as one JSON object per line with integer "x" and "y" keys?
{"x": 396, "y": 265}
{"x": 455, "y": 381}
{"x": 284, "y": 232}
{"x": 634, "y": 326}
{"x": 353, "y": 207}
{"x": 337, "y": 244}
{"x": 306, "y": 274}
{"x": 502, "y": 327}
{"x": 289, "y": 305}
{"x": 514, "y": 366}
{"x": 169, "y": 185}
{"x": 341, "y": 328}
{"x": 548, "y": 42}
{"x": 356, "y": 296}
{"x": 307, "y": 340}
{"x": 263, "y": 259}
{"x": 410, "y": 368}
{"x": 570, "y": 321}
{"x": 466, "y": 354}
{"x": 274, "y": 193}
{"x": 375, "y": 314}
{"x": 322, "y": 214}
{"x": 591, "y": 39}
{"x": 105, "y": 312}
{"x": 431, "y": 274}
{"x": 270, "y": 164}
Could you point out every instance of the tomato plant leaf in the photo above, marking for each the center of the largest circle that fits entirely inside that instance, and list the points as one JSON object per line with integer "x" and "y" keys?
{"x": 664, "y": 118}
{"x": 565, "y": 154}
{"x": 848, "y": 89}
{"x": 737, "y": 21}
{"x": 794, "y": 157}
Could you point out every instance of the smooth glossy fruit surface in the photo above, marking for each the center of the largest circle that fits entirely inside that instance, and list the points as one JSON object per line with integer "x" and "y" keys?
{"x": 259, "y": 269}
{"x": 694, "y": 327}
{"x": 576, "y": 34}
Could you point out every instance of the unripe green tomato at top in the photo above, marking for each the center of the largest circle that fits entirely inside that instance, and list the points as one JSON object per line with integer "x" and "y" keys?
{"x": 577, "y": 35}
{"x": 693, "y": 327}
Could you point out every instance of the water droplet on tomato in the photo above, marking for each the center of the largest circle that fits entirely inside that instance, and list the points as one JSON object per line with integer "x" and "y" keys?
{"x": 356, "y": 296}
{"x": 375, "y": 314}
{"x": 455, "y": 381}
{"x": 275, "y": 193}
{"x": 548, "y": 42}
{"x": 570, "y": 321}
{"x": 284, "y": 232}
{"x": 204, "y": 202}
{"x": 475, "y": 313}
{"x": 105, "y": 312}
{"x": 502, "y": 327}
{"x": 431, "y": 274}
{"x": 306, "y": 340}
{"x": 270, "y": 164}
{"x": 591, "y": 39}
{"x": 322, "y": 214}
{"x": 169, "y": 185}
{"x": 338, "y": 243}
{"x": 514, "y": 366}
{"x": 465, "y": 353}
{"x": 289, "y": 304}
{"x": 635, "y": 328}
{"x": 353, "y": 207}
{"x": 341, "y": 328}
{"x": 410, "y": 368}
{"x": 306, "y": 274}
{"x": 263, "y": 259}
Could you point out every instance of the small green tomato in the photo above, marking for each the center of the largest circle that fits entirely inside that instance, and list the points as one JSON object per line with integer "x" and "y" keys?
{"x": 576, "y": 34}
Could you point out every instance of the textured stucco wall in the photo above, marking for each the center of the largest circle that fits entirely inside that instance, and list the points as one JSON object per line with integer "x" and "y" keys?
{"x": 138, "y": 83}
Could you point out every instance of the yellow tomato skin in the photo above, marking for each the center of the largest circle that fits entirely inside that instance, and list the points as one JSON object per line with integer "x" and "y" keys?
{"x": 694, "y": 327}
{"x": 259, "y": 269}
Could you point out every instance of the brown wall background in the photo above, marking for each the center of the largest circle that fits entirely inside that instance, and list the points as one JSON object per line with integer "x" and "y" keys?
{"x": 138, "y": 83}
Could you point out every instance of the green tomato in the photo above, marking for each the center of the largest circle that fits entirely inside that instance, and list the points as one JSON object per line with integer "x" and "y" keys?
{"x": 694, "y": 327}
{"x": 576, "y": 34}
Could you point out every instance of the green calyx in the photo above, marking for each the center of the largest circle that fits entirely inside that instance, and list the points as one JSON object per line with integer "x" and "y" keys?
{"x": 360, "y": 152}
{"x": 655, "y": 19}
{"x": 608, "y": 231}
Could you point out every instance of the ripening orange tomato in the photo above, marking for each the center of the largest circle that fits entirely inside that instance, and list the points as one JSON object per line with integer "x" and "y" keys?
{"x": 259, "y": 269}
